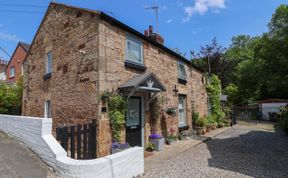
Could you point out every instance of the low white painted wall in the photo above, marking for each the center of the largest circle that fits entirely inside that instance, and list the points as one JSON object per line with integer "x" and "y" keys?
{"x": 36, "y": 134}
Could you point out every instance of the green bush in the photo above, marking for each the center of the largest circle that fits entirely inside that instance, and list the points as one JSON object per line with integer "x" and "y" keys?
{"x": 211, "y": 120}
{"x": 201, "y": 122}
{"x": 195, "y": 116}
{"x": 283, "y": 120}
{"x": 11, "y": 98}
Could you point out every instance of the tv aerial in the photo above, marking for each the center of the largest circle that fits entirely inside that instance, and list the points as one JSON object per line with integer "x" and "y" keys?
{"x": 155, "y": 9}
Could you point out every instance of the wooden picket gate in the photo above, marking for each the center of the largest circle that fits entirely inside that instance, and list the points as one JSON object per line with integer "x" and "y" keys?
{"x": 79, "y": 141}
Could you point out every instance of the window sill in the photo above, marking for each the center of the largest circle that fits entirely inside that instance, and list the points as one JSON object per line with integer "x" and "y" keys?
{"x": 135, "y": 66}
{"x": 47, "y": 76}
{"x": 181, "y": 128}
{"x": 12, "y": 77}
{"x": 182, "y": 81}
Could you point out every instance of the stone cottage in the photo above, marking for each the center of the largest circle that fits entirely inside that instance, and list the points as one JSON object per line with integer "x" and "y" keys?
{"x": 77, "y": 54}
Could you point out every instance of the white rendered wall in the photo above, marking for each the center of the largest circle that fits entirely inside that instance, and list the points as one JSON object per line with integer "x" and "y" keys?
{"x": 36, "y": 134}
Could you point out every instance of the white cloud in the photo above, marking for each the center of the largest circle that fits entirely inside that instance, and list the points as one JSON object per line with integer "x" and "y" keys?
{"x": 9, "y": 37}
{"x": 202, "y": 6}
{"x": 169, "y": 21}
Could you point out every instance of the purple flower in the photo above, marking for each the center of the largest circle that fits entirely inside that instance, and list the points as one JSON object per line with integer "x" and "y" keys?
{"x": 155, "y": 136}
{"x": 117, "y": 145}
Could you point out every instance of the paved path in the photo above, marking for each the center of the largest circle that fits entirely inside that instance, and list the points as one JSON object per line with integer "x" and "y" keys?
{"x": 18, "y": 161}
{"x": 246, "y": 150}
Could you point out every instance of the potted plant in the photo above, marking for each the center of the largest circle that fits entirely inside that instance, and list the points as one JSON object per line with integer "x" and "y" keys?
{"x": 157, "y": 140}
{"x": 201, "y": 123}
{"x": 117, "y": 147}
{"x": 210, "y": 123}
{"x": 171, "y": 138}
{"x": 150, "y": 147}
{"x": 171, "y": 111}
{"x": 184, "y": 135}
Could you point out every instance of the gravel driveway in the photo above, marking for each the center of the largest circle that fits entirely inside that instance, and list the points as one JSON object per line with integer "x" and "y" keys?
{"x": 246, "y": 150}
{"x": 18, "y": 161}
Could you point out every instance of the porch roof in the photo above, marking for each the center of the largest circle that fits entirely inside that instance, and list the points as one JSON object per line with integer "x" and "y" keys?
{"x": 145, "y": 82}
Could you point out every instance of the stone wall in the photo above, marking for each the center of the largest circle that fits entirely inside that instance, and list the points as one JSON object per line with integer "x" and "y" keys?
{"x": 36, "y": 134}
{"x": 112, "y": 42}
{"x": 73, "y": 83}
{"x": 78, "y": 80}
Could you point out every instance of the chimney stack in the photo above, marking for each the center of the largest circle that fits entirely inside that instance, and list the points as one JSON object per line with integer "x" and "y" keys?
{"x": 154, "y": 36}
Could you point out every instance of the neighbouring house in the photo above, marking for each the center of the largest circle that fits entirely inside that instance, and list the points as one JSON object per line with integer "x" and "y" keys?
{"x": 77, "y": 54}
{"x": 3, "y": 64}
{"x": 14, "y": 69}
{"x": 269, "y": 107}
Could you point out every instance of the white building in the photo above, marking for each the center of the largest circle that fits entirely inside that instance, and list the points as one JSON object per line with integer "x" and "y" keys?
{"x": 2, "y": 76}
{"x": 271, "y": 106}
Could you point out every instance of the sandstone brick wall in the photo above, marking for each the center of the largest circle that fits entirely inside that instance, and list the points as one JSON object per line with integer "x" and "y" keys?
{"x": 112, "y": 42}
{"x": 78, "y": 80}
{"x": 73, "y": 83}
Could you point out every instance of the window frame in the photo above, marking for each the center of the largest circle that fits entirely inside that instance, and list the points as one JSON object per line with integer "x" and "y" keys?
{"x": 47, "y": 109}
{"x": 10, "y": 72}
{"x": 48, "y": 63}
{"x": 182, "y": 122}
{"x": 137, "y": 41}
{"x": 180, "y": 76}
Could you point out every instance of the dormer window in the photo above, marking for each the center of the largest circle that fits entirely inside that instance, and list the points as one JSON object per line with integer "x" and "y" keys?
{"x": 181, "y": 72}
{"x": 134, "y": 51}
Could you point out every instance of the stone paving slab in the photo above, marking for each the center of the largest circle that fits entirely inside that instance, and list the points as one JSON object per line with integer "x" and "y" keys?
{"x": 170, "y": 151}
{"x": 17, "y": 161}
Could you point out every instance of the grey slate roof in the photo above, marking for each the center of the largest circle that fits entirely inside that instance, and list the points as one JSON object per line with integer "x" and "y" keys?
{"x": 139, "y": 79}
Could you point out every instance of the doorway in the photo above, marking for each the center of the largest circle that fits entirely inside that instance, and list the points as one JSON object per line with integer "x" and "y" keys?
{"x": 134, "y": 121}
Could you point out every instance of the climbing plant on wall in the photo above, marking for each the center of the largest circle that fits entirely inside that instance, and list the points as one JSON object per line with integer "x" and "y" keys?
{"x": 213, "y": 88}
{"x": 117, "y": 107}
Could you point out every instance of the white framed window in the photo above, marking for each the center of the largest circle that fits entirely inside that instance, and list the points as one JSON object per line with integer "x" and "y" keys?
{"x": 12, "y": 71}
{"x": 48, "y": 63}
{"x": 181, "y": 70}
{"x": 47, "y": 109}
{"x": 182, "y": 111}
{"x": 134, "y": 50}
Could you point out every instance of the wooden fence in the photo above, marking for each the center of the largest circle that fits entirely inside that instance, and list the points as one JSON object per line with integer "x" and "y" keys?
{"x": 79, "y": 141}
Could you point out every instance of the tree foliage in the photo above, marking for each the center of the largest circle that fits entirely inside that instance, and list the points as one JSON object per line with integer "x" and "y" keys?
{"x": 252, "y": 68}
{"x": 11, "y": 97}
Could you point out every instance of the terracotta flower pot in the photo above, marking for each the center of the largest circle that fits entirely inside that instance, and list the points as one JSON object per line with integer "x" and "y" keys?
{"x": 199, "y": 130}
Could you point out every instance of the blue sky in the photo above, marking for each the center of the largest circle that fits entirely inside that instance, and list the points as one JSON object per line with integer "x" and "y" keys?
{"x": 185, "y": 24}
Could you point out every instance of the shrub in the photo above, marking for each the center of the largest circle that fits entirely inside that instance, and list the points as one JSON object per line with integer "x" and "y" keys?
{"x": 202, "y": 122}
{"x": 195, "y": 116}
{"x": 11, "y": 98}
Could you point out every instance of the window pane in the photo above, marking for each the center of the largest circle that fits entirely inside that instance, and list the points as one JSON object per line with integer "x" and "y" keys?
{"x": 49, "y": 63}
{"x": 182, "y": 111}
{"x": 134, "y": 52}
{"x": 12, "y": 72}
{"x": 181, "y": 71}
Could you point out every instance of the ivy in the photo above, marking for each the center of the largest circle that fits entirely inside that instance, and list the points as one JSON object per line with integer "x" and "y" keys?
{"x": 213, "y": 88}
{"x": 117, "y": 107}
